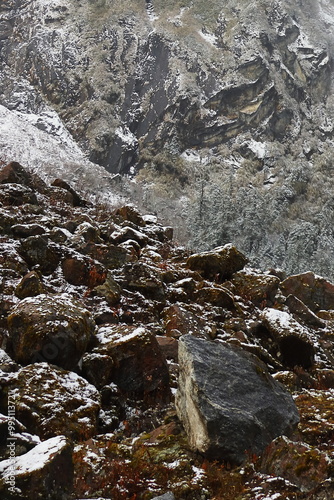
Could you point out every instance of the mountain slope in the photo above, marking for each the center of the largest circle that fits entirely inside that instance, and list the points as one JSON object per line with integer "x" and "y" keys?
{"x": 221, "y": 112}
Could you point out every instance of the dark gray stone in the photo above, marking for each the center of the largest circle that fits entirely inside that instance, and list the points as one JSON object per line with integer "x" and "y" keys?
{"x": 229, "y": 404}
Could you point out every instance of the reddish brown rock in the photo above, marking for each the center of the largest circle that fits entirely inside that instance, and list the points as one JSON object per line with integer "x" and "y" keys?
{"x": 81, "y": 270}
{"x": 316, "y": 292}
{"x": 14, "y": 173}
{"x": 303, "y": 465}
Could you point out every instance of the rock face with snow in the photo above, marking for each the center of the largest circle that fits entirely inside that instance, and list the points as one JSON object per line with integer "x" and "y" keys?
{"x": 229, "y": 404}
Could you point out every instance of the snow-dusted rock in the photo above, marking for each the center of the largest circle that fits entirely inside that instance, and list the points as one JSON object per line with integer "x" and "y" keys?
{"x": 293, "y": 339}
{"x": 228, "y": 403}
{"x": 45, "y": 472}
{"x": 222, "y": 261}
{"x": 39, "y": 251}
{"x": 131, "y": 358}
{"x": 51, "y": 401}
{"x": 17, "y": 194}
{"x": 54, "y": 328}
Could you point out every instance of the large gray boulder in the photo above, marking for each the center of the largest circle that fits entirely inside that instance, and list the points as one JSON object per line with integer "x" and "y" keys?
{"x": 230, "y": 406}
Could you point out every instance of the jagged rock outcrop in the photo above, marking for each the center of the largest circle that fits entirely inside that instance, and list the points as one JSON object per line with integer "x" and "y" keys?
{"x": 230, "y": 406}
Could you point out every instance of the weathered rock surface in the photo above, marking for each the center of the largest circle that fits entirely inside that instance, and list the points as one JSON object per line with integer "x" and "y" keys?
{"x": 131, "y": 358}
{"x": 46, "y": 472}
{"x": 229, "y": 404}
{"x": 51, "y": 401}
{"x": 294, "y": 343}
{"x": 315, "y": 291}
{"x": 53, "y": 328}
{"x": 301, "y": 464}
{"x": 222, "y": 262}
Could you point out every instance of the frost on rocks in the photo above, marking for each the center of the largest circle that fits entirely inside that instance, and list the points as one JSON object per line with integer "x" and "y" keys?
{"x": 46, "y": 471}
{"x": 53, "y": 401}
{"x": 293, "y": 339}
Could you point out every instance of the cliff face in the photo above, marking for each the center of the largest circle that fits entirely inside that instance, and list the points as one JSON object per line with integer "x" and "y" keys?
{"x": 221, "y": 111}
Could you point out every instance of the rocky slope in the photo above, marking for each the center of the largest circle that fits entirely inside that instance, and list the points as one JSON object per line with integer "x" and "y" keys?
{"x": 221, "y": 112}
{"x": 94, "y": 304}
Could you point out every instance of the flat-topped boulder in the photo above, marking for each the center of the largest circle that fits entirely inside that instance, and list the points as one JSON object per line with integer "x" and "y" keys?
{"x": 221, "y": 261}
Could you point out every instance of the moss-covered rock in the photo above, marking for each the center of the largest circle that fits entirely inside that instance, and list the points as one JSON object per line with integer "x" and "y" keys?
{"x": 51, "y": 401}
{"x": 54, "y": 328}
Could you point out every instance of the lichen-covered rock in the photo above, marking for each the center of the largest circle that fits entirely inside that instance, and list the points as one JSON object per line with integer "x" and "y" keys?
{"x": 45, "y": 472}
{"x": 229, "y": 404}
{"x": 303, "y": 465}
{"x": 131, "y": 358}
{"x": 293, "y": 339}
{"x": 54, "y": 328}
{"x": 316, "y": 292}
{"x": 16, "y": 194}
{"x": 222, "y": 261}
{"x": 144, "y": 279}
{"x": 51, "y": 401}
{"x": 259, "y": 288}
{"x": 109, "y": 290}
{"x": 39, "y": 251}
{"x": 30, "y": 285}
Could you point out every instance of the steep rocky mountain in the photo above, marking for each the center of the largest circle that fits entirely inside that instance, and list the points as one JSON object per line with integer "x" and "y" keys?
{"x": 132, "y": 369}
{"x": 218, "y": 114}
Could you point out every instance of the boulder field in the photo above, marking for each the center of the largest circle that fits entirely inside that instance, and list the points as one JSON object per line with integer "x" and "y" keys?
{"x": 132, "y": 368}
